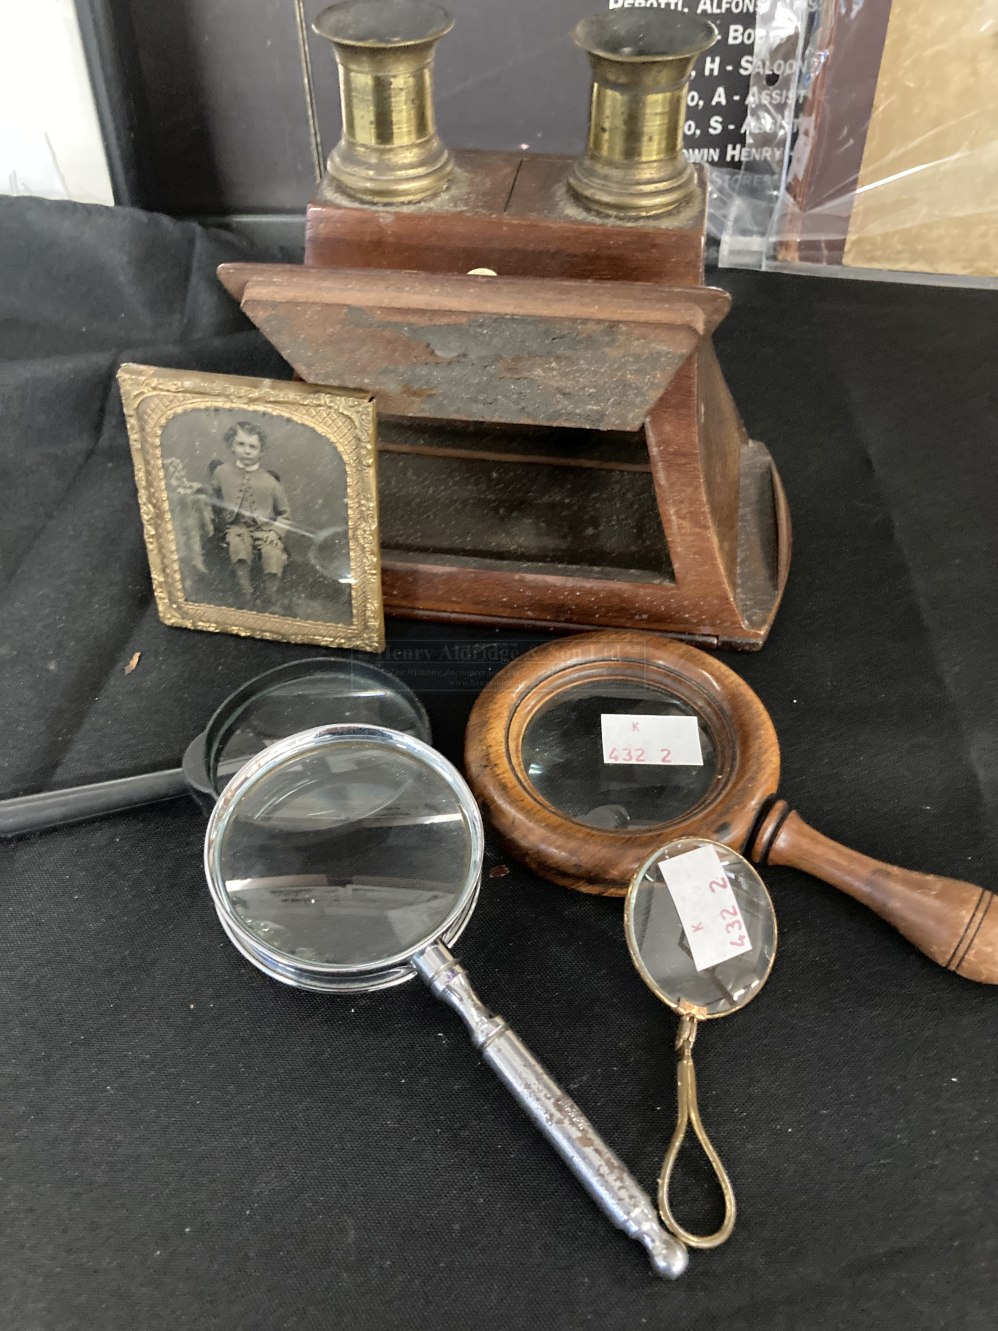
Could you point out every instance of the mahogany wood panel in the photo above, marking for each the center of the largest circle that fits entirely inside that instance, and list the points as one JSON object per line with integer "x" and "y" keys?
{"x": 512, "y": 214}
{"x": 594, "y": 321}
{"x": 512, "y": 350}
{"x": 707, "y": 612}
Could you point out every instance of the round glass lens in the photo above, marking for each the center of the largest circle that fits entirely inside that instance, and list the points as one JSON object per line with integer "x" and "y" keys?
{"x": 614, "y": 774}
{"x": 348, "y": 853}
{"x": 701, "y": 927}
{"x": 334, "y": 693}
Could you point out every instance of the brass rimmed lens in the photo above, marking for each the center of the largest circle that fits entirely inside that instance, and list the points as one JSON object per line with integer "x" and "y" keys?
{"x": 390, "y": 151}
{"x": 660, "y": 947}
{"x": 641, "y": 64}
{"x": 701, "y": 931}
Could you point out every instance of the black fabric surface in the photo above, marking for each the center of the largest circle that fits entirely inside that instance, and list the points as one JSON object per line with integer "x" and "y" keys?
{"x": 188, "y": 1144}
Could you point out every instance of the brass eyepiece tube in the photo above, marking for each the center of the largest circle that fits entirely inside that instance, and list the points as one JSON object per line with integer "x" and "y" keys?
{"x": 390, "y": 151}
{"x": 641, "y": 61}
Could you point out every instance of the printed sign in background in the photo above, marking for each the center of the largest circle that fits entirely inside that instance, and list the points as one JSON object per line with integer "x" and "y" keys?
{"x": 717, "y": 103}
{"x": 218, "y": 119}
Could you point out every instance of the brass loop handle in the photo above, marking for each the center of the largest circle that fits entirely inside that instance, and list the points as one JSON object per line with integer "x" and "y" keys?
{"x": 689, "y": 1112}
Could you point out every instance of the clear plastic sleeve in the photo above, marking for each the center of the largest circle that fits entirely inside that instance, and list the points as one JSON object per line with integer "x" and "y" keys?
{"x": 871, "y": 141}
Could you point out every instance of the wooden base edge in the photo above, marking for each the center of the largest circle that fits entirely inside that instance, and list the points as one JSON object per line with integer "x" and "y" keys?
{"x": 476, "y": 590}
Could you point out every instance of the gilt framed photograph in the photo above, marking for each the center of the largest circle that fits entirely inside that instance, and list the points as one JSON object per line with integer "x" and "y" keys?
{"x": 259, "y": 505}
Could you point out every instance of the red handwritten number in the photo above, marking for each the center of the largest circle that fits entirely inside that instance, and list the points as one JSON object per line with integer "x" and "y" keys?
{"x": 626, "y": 755}
{"x": 737, "y": 942}
{"x": 616, "y": 755}
{"x": 718, "y": 884}
{"x": 729, "y": 913}
{"x": 666, "y": 756}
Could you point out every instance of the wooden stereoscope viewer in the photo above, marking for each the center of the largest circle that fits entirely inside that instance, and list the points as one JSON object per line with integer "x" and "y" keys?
{"x": 557, "y": 445}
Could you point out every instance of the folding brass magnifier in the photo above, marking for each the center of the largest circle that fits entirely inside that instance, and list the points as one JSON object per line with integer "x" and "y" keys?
{"x": 702, "y": 933}
{"x": 588, "y": 753}
{"x": 348, "y": 859}
{"x": 279, "y": 702}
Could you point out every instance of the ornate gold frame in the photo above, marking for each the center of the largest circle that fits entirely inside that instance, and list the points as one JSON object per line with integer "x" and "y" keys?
{"x": 152, "y": 397}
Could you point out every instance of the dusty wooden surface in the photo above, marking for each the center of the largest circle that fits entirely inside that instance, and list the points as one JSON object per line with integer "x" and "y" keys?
{"x": 515, "y": 350}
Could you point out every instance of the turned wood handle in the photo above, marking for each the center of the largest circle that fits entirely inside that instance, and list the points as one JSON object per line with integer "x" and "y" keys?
{"x": 954, "y": 923}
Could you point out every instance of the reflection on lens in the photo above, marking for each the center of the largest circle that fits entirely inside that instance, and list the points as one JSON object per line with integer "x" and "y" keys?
{"x": 318, "y": 694}
{"x": 563, "y": 756}
{"x": 662, "y": 951}
{"x": 349, "y": 854}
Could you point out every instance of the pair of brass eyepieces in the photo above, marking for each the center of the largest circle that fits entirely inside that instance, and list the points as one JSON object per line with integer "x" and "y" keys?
{"x": 391, "y": 153}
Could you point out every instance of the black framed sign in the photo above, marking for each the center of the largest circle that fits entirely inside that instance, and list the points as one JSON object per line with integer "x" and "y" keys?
{"x": 219, "y": 108}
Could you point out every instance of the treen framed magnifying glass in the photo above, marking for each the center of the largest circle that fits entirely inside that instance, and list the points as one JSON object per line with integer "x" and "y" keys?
{"x": 588, "y": 753}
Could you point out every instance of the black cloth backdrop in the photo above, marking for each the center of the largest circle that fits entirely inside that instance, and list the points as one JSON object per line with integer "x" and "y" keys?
{"x": 188, "y": 1144}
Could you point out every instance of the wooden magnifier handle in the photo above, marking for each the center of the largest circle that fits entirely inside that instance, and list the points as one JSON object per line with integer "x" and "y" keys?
{"x": 954, "y": 923}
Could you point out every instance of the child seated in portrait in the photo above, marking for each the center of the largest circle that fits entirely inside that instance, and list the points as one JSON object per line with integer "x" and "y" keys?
{"x": 252, "y": 506}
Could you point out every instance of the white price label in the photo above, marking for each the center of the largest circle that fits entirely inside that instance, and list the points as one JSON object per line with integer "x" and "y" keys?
{"x": 711, "y": 917}
{"x": 663, "y": 741}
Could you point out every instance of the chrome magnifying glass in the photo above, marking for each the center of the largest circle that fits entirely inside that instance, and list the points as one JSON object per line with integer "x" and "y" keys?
{"x": 282, "y": 701}
{"x": 348, "y": 859}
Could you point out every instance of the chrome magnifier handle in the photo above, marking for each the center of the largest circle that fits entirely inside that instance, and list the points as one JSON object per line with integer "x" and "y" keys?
{"x": 554, "y": 1112}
